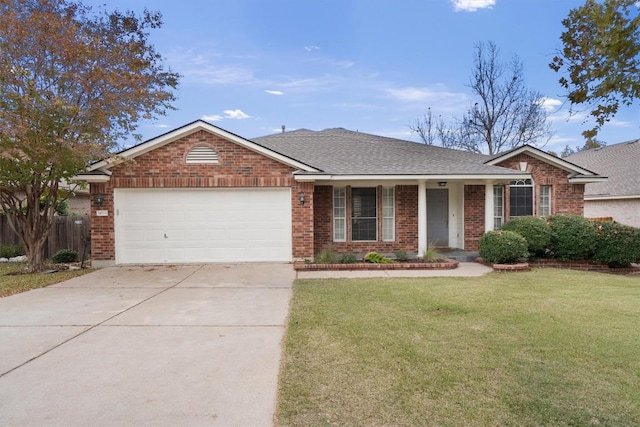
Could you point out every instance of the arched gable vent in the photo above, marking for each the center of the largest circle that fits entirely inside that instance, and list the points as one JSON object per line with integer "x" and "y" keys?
{"x": 202, "y": 154}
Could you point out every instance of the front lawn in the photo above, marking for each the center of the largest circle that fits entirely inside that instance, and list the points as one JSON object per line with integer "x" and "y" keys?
{"x": 15, "y": 283}
{"x": 547, "y": 347}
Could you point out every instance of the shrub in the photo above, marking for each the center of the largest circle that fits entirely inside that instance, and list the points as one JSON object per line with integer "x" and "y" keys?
{"x": 65, "y": 255}
{"x": 503, "y": 247}
{"x": 401, "y": 255}
{"x": 327, "y": 256}
{"x": 376, "y": 258}
{"x": 535, "y": 231}
{"x": 573, "y": 237}
{"x": 348, "y": 259}
{"x": 617, "y": 245}
{"x": 431, "y": 254}
{"x": 11, "y": 251}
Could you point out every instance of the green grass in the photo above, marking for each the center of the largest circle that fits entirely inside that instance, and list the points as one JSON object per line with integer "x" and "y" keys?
{"x": 15, "y": 283}
{"x": 542, "y": 348}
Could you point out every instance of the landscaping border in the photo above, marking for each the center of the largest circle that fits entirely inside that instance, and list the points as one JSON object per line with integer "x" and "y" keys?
{"x": 584, "y": 266}
{"x": 447, "y": 264}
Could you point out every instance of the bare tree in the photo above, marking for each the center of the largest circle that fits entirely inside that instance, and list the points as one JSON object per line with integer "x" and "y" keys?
{"x": 506, "y": 115}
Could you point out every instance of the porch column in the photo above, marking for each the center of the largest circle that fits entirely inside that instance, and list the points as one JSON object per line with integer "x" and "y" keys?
{"x": 422, "y": 217}
{"x": 488, "y": 206}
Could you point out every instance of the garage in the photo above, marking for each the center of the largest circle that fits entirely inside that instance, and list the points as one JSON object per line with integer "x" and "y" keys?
{"x": 191, "y": 225}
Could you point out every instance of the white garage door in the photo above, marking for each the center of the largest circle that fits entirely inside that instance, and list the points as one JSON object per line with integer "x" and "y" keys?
{"x": 202, "y": 225}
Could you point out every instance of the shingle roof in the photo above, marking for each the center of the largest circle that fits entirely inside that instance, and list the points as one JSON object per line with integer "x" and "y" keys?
{"x": 620, "y": 162}
{"x": 343, "y": 152}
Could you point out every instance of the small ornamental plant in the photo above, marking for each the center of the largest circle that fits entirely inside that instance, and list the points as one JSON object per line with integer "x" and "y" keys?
{"x": 376, "y": 258}
{"x": 65, "y": 255}
{"x": 503, "y": 247}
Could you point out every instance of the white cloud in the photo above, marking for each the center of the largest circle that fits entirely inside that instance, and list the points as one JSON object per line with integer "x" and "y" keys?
{"x": 550, "y": 104}
{"x": 205, "y": 68}
{"x": 212, "y": 118}
{"x": 424, "y": 94}
{"x": 310, "y": 48}
{"x": 163, "y": 126}
{"x": 472, "y": 5}
{"x": 236, "y": 114}
{"x": 274, "y": 92}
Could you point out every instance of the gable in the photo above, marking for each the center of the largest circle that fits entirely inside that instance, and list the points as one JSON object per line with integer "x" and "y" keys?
{"x": 192, "y": 128}
{"x": 171, "y": 160}
{"x": 575, "y": 173}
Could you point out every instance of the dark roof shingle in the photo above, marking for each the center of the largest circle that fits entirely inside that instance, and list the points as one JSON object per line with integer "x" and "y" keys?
{"x": 619, "y": 162}
{"x": 344, "y": 152}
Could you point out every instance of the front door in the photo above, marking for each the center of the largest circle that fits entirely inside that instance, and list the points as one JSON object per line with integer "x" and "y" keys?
{"x": 438, "y": 217}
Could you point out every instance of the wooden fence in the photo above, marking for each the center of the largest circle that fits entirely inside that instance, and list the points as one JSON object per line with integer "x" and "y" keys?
{"x": 67, "y": 232}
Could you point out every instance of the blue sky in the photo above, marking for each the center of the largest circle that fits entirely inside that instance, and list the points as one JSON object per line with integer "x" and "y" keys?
{"x": 251, "y": 66}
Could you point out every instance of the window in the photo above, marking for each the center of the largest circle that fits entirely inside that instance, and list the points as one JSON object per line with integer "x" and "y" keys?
{"x": 498, "y": 206}
{"x": 364, "y": 215}
{"x": 545, "y": 200}
{"x": 388, "y": 214}
{"x": 521, "y": 198}
{"x": 339, "y": 214}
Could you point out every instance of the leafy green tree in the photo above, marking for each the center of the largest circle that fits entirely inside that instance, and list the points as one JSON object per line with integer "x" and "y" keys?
{"x": 72, "y": 82}
{"x": 507, "y": 113}
{"x": 588, "y": 145}
{"x": 600, "y": 58}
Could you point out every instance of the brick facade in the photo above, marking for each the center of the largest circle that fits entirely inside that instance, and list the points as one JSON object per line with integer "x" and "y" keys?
{"x": 406, "y": 222}
{"x": 566, "y": 198}
{"x": 166, "y": 167}
{"x": 473, "y": 216}
{"x": 312, "y": 222}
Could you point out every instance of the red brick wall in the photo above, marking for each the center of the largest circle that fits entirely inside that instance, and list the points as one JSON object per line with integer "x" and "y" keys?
{"x": 565, "y": 197}
{"x": 406, "y": 215}
{"x": 165, "y": 167}
{"x": 473, "y": 216}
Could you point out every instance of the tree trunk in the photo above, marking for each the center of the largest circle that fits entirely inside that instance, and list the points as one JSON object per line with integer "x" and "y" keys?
{"x": 34, "y": 246}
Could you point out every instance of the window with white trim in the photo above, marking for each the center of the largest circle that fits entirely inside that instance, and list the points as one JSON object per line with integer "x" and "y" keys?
{"x": 545, "y": 200}
{"x": 339, "y": 214}
{"x": 498, "y": 206}
{"x": 364, "y": 214}
{"x": 521, "y": 198}
{"x": 388, "y": 214}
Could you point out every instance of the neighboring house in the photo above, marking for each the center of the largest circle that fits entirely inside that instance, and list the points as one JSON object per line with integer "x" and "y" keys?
{"x": 202, "y": 194}
{"x": 619, "y": 196}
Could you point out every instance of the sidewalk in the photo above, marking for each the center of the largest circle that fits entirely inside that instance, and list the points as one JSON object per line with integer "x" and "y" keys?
{"x": 465, "y": 269}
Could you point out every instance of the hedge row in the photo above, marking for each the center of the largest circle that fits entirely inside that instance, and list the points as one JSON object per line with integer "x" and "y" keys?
{"x": 563, "y": 237}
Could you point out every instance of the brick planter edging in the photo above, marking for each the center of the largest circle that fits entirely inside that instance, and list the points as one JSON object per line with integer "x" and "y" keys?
{"x": 584, "y": 266}
{"x": 503, "y": 268}
{"x": 448, "y": 264}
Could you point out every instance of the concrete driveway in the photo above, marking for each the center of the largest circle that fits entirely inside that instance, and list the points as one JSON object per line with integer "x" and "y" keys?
{"x": 192, "y": 345}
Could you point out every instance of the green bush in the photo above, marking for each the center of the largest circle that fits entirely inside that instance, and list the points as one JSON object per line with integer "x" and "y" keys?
{"x": 535, "y": 231}
{"x": 327, "y": 256}
{"x": 376, "y": 258}
{"x": 11, "y": 251}
{"x": 503, "y": 247}
{"x": 401, "y": 255}
{"x": 617, "y": 245}
{"x": 348, "y": 259}
{"x": 65, "y": 255}
{"x": 573, "y": 237}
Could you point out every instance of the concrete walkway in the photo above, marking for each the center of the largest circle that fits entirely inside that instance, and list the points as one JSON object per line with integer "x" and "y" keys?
{"x": 465, "y": 269}
{"x": 140, "y": 346}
